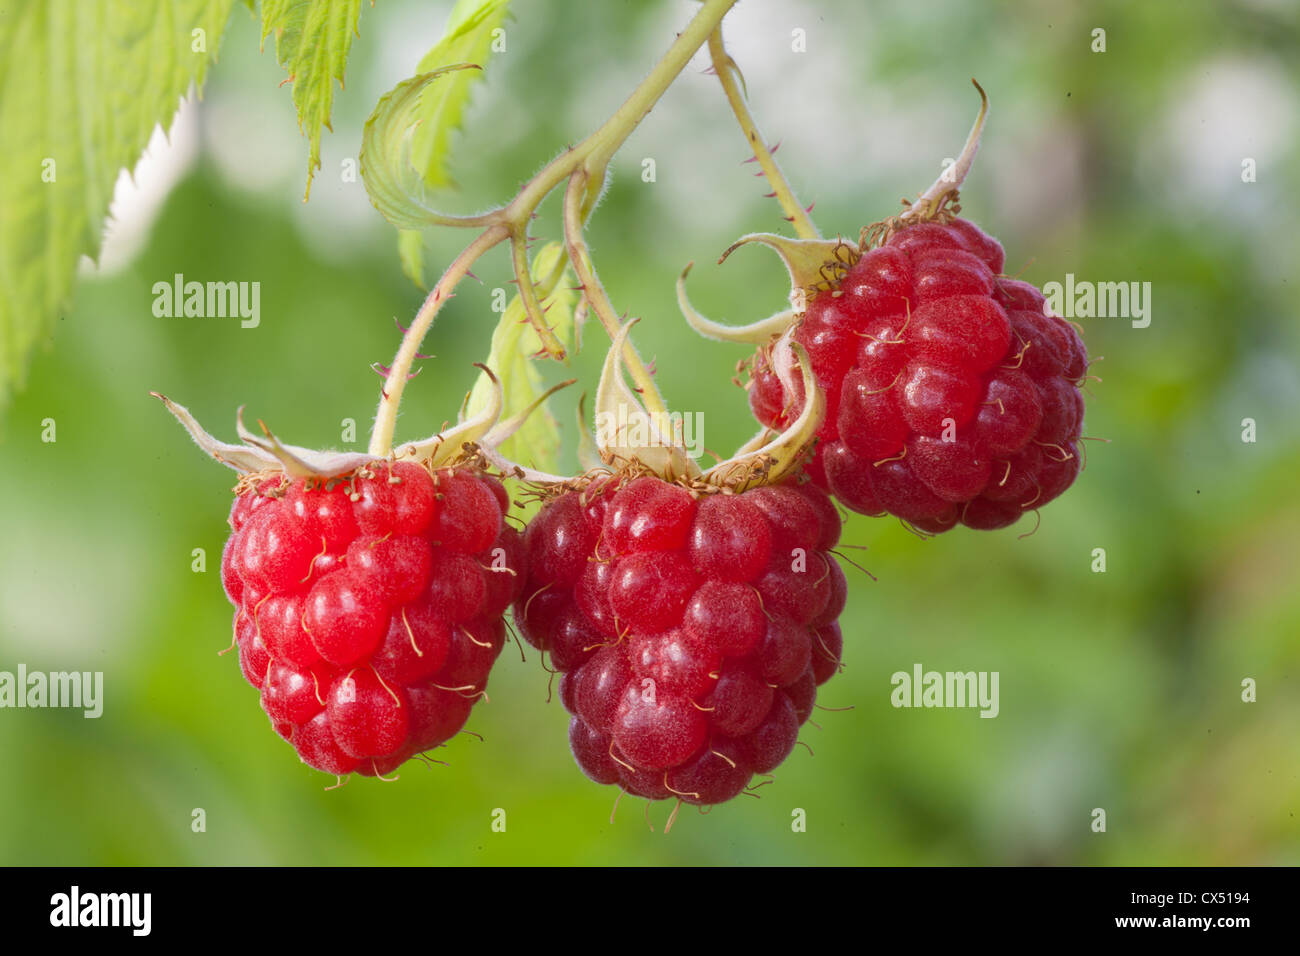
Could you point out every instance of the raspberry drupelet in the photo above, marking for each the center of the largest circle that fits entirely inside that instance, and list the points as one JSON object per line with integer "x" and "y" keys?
{"x": 952, "y": 394}
{"x": 369, "y": 606}
{"x": 691, "y": 631}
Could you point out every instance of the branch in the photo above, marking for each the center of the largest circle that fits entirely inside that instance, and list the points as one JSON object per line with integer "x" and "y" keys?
{"x": 596, "y": 296}
{"x": 731, "y": 80}
{"x": 381, "y": 437}
{"x": 591, "y": 157}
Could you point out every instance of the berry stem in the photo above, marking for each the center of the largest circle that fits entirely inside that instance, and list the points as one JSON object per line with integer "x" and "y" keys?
{"x": 596, "y": 150}
{"x": 596, "y": 295}
{"x": 732, "y": 82}
{"x": 591, "y": 157}
{"x": 381, "y": 437}
{"x": 528, "y": 293}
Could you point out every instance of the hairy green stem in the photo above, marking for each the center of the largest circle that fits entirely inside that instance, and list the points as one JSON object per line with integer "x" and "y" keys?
{"x": 597, "y": 149}
{"x": 511, "y": 221}
{"x": 728, "y": 74}
{"x": 598, "y": 298}
{"x": 381, "y": 436}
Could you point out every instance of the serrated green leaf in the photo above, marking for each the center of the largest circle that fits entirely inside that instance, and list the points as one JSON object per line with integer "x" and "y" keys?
{"x": 83, "y": 84}
{"x": 394, "y": 185}
{"x": 468, "y": 38}
{"x": 312, "y": 41}
{"x": 440, "y": 109}
{"x": 514, "y": 345}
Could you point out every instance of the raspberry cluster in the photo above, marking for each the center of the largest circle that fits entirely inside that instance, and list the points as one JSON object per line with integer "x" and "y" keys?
{"x": 692, "y": 634}
{"x": 951, "y": 395}
{"x": 370, "y": 606}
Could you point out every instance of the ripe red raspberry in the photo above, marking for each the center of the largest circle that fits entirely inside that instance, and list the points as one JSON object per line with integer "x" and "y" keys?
{"x": 951, "y": 395}
{"x": 692, "y": 631}
{"x": 370, "y": 606}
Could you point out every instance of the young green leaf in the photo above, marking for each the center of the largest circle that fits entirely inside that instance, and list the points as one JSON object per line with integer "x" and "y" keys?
{"x": 514, "y": 346}
{"x": 312, "y": 40}
{"x": 423, "y": 135}
{"x": 82, "y": 87}
{"x": 395, "y": 186}
{"x": 410, "y": 249}
{"x": 474, "y": 30}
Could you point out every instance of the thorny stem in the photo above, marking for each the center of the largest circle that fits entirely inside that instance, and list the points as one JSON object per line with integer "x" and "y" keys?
{"x": 592, "y": 157}
{"x": 381, "y": 437}
{"x": 597, "y": 149}
{"x": 730, "y": 78}
{"x": 595, "y": 293}
{"x": 528, "y": 294}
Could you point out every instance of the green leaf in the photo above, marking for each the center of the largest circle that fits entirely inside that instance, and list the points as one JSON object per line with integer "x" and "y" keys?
{"x": 410, "y": 249}
{"x": 514, "y": 344}
{"x": 394, "y": 185}
{"x": 418, "y": 142}
{"x": 312, "y": 41}
{"x": 469, "y": 38}
{"x": 83, "y": 84}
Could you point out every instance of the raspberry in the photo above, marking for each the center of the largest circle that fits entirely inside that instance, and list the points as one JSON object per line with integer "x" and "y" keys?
{"x": 691, "y": 630}
{"x": 952, "y": 397}
{"x": 370, "y": 606}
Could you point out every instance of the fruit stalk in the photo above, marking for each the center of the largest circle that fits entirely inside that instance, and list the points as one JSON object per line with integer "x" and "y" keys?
{"x": 597, "y": 149}
{"x": 596, "y": 296}
{"x": 511, "y": 221}
{"x": 728, "y": 75}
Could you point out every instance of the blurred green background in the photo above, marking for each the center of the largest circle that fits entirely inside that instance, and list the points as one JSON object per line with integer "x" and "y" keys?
{"x": 1119, "y": 690}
